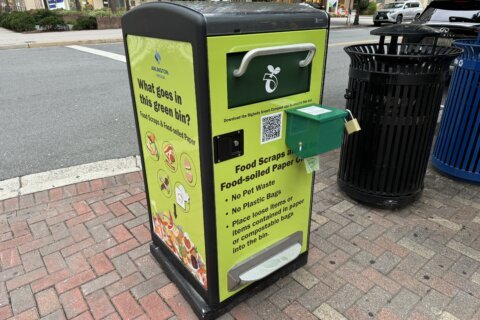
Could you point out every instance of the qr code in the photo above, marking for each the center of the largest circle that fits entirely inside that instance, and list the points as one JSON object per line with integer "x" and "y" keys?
{"x": 271, "y": 128}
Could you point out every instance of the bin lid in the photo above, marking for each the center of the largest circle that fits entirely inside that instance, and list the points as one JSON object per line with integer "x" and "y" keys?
{"x": 227, "y": 18}
{"x": 318, "y": 113}
{"x": 398, "y": 30}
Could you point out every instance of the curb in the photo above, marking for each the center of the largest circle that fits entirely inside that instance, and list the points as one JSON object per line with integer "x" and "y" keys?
{"x": 13, "y": 46}
{"x": 37, "y": 182}
{"x": 349, "y": 43}
{"x": 352, "y": 27}
{"x": 59, "y": 43}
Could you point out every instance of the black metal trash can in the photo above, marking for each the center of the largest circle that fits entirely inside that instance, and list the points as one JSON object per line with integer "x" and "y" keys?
{"x": 394, "y": 91}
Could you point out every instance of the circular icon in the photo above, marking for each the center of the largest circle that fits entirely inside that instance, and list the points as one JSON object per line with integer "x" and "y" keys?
{"x": 169, "y": 156}
{"x": 182, "y": 198}
{"x": 165, "y": 183}
{"x": 188, "y": 169}
{"x": 151, "y": 144}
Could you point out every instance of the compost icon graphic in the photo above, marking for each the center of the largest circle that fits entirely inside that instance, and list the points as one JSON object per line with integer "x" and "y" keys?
{"x": 271, "y": 81}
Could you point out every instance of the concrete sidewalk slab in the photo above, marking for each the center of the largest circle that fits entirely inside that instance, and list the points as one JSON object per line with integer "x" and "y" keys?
{"x": 81, "y": 252}
{"x": 344, "y": 23}
{"x": 36, "y": 182}
{"x": 15, "y": 40}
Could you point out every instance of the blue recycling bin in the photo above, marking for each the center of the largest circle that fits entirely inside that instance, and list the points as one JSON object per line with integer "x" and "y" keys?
{"x": 457, "y": 148}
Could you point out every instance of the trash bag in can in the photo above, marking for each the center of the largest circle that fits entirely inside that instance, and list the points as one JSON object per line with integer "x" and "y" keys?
{"x": 457, "y": 148}
{"x": 395, "y": 91}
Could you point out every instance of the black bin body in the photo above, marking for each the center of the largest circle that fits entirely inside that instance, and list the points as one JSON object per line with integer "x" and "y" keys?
{"x": 395, "y": 92}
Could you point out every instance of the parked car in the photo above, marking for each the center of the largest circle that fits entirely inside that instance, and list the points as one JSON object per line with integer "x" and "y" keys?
{"x": 456, "y": 19}
{"x": 397, "y": 12}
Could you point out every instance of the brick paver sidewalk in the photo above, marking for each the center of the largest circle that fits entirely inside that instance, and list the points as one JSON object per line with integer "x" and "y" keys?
{"x": 82, "y": 252}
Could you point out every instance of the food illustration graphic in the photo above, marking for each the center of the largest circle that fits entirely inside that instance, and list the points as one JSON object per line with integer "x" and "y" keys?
{"x": 169, "y": 156}
{"x": 182, "y": 197}
{"x": 152, "y": 146}
{"x": 188, "y": 169}
{"x": 165, "y": 183}
{"x": 180, "y": 244}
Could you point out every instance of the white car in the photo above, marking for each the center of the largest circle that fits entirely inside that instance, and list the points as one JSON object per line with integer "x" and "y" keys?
{"x": 397, "y": 12}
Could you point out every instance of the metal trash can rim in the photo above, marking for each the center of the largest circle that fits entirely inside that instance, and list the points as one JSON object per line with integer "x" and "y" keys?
{"x": 471, "y": 48}
{"x": 398, "y": 30}
{"x": 406, "y": 31}
{"x": 361, "y": 50}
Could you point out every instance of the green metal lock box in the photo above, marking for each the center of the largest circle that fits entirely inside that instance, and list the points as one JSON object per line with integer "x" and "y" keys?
{"x": 314, "y": 129}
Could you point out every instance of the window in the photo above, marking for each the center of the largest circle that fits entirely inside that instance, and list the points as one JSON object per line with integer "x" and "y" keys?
{"x": 393, "y": 5}
{"x": 441, "y": 15}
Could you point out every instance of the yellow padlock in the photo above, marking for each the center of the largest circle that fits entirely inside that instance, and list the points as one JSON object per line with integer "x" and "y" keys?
{"x": 352, "y": 125}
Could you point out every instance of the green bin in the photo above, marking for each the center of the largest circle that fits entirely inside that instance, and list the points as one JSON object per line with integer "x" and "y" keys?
{"x": 210, "y": 82}
{"x": 314, "y": 129}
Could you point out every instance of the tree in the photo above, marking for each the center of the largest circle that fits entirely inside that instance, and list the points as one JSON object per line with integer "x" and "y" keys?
{"x": 357, "y": 13}
{"x": 45, "y": 4}
{"x": 78, "y": 6}
{"x": 113, "y": 5}
{"x": 7, "y": 7}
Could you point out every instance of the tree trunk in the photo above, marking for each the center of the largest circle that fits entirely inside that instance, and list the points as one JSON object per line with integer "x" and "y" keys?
{"x": 7, "y": 7}
{"x": 78, "y": 6}
{"x": 357, "y": 13}
{"x": 45, "y": 4}
{"x": 113, "y": 5}
{"x": 127, "y": 4}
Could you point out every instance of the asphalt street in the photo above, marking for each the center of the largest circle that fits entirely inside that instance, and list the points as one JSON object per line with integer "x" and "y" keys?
{"x": 61, "y": 107}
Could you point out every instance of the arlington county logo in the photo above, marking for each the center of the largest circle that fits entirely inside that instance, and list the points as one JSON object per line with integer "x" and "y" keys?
{"x": 160, "y": 72}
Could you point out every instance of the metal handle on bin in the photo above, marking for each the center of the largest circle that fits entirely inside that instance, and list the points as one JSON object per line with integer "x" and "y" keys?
{"x": 250, "y": 55}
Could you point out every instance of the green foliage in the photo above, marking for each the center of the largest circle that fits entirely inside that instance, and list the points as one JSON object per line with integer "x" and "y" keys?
{"x": 368, "y": 8}
{"x": 18, "y": 21}
{"x": 51, "y": 23}
{"x": 85, "y": 23}
{"x": 105, "y": 13}
{"x": 2, "y": 16}
{"x": 363, "y": 4}
{"x": 48, "y": 20}
{"x": 100, "y": 13}
{"x": 68, "y": 12}
{"x": 372, "y": 8}
{"x": 41, "y": 14}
